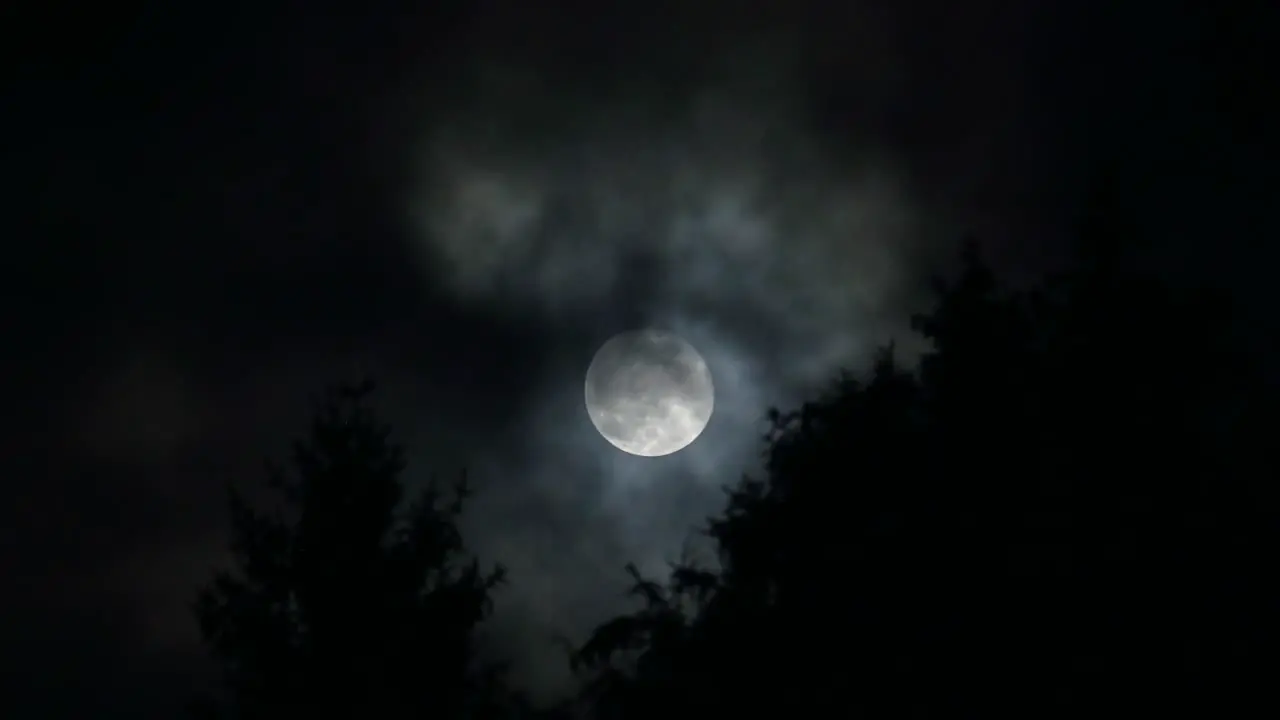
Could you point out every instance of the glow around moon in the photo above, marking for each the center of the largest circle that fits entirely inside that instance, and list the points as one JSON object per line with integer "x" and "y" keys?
{"x": 649, "y": 392}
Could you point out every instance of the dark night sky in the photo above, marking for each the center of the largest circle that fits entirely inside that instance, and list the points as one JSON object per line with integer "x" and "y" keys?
{"x": 229, "y": 210}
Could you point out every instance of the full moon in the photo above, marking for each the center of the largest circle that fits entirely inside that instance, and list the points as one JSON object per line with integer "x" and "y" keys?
{"x": 649, "y": 392}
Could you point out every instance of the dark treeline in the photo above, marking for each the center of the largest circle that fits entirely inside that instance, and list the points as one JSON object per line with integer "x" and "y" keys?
{"x": 1067, "y": 508}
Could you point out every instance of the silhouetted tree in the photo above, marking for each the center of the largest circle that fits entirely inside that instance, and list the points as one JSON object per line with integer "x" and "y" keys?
{"x": 1067, "y": 508}
{"x": 350, "y": 600}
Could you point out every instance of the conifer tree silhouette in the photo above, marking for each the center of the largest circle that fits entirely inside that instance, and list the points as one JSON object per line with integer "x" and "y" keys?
{"x": 350, "y": 600}
{"x": 1061, "y": 511}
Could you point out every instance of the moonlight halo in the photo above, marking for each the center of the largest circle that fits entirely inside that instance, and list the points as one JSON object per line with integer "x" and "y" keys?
{"x": 649, "y": 393}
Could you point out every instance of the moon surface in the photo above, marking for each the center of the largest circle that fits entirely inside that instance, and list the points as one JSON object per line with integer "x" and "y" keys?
{"x": 649, "y": 392}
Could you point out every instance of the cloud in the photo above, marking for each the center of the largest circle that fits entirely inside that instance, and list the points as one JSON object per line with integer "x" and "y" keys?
{"x": 723, "y": 208}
